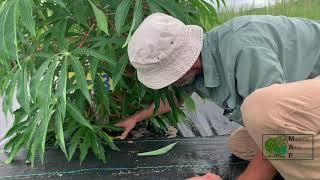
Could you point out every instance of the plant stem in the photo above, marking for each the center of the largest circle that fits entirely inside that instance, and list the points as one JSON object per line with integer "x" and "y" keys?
{"x": 85, "y": 37}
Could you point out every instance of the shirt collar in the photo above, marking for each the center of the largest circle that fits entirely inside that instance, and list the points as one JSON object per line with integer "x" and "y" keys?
{"x": 210, "y": 74}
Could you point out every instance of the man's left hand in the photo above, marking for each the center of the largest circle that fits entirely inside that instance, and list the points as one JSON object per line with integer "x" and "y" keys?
{"x": 208, "y": 176}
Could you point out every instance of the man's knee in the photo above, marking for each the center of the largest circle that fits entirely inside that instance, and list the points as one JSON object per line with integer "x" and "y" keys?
{"x": 260, "y": 107}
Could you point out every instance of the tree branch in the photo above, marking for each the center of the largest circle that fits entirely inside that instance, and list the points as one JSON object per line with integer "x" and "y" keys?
{"x": 84, "y": 39}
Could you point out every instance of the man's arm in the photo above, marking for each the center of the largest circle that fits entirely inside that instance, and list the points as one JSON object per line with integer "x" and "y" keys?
{"x": 259, "y": 168}
{"x": 139, "y": 116}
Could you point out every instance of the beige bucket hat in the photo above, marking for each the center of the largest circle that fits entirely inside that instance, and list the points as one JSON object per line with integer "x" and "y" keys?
{"x": 163, "y": 49}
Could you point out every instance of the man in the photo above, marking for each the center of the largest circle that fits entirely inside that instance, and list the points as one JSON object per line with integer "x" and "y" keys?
{"x": 260, "y": 69}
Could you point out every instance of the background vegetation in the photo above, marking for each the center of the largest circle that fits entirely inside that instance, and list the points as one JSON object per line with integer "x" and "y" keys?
{"x": 294, "y": 8}
{"x": 67, "y": 62}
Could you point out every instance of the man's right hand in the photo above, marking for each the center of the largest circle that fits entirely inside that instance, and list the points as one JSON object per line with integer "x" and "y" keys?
{"x": 128, "y": 125}
{"x": 131, "y": 122}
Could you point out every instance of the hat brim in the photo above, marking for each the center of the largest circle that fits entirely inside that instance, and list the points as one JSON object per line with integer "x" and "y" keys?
{"x": 187, "y": 56}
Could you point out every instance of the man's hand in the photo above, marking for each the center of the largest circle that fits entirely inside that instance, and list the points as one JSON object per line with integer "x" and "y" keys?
{"x": 128, "y": 125}
{"x": 208, "y": 176}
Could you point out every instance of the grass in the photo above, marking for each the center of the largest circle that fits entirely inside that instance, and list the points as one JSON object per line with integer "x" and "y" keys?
{"x": 294, "y": 8}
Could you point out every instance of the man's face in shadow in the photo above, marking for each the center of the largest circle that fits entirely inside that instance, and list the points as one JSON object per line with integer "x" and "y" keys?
{"x": 190, "y": 76}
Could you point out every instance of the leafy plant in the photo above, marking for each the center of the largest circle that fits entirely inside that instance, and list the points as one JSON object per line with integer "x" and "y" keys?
{"x": 68, "y": 64}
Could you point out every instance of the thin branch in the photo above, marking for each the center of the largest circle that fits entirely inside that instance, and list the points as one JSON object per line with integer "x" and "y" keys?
{"x": 84, "y": 39}
{"x": 111, "y": 25}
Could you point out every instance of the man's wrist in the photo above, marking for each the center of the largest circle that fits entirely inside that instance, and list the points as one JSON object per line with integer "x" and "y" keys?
{"x": 143, "y": 114}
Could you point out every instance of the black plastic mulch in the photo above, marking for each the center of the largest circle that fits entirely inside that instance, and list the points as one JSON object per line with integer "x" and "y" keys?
{"x": 190, "y": 156}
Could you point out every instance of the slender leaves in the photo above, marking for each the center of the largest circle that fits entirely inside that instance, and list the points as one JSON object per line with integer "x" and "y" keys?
{"x": 137, "y": 18}
{"x": 80, "y": 77}
{"x": 23, "y": 89}
{"x": 118, "y": 72}
{"x": 91, "y": 52}
{"x": 59, "y": 131}
{"x": 7, "y": 100}
{"x": 25, "y": 8}
{"x": 121, "y": 14}
{"x": 77, "y": 116}
{"x": 101, "y": 18}
{"x": 8, "y": 35}
{"x": 36, "y": 79}
{"x": 62, "y": 89}
{"x": 44, "y": 106}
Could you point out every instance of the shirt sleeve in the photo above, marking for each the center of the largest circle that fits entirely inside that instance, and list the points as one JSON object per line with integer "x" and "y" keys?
{"x": 257, "y": 67}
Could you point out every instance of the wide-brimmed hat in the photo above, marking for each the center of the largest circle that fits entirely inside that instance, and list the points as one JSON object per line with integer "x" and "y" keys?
{"x": 163, "y": 49}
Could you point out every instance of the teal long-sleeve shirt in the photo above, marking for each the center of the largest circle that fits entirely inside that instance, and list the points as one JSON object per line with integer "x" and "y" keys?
{"x": 252, "y": 52}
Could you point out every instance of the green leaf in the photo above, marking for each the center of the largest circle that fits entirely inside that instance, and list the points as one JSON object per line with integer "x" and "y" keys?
{"x": 118, "y": 71}
{"x": 75, "y": 141}
{"x": 20, "y": 115}
{"x": 163, "y": 96}
{"x": 188, "y": 101}
{"x": 121, "y": 14}
{"x": 8, "y": 34}
{"x": 97, "y": 147}
{"x": 154, "y": 7}
{"x": 16, "y": 147}
{"x": 109, "y": 141}
{"x": 156, "y": 99}
{"x": 101, "y": 152}
{"x": 59, "y": 132}
{"x": 59, "y": 32}
{"x": 62, "y": 89}
{"x": 173, "y": 8}
{"x": 84, "y": 147}
{"x": 61, "y": 3}
{"x": 101, "y": 18}
{"x": 36, "y": 139}
{"x": 25, "y": 8}
{"x": 12, "y": 142}
{"x": 36, "y": 79}
{"x": 158, "y": 151}
{"x": 44, "y": 97}
{"x": 81, "y": 10}
{"x": 7, "y": 100}
{"x": 94, "y": 142}
{"x": 23, "y": 89}
{"x": 80, "y": 77}
{"x": 137, "y": 18}
{"x": 77, "y": 116}
{"x": 17, "y": 128}
{"x": 102, "y": 93}
{"x": 170, "y": 98}
{"x": 31, "y": 132}
{"x": 93, "y": 68}
{"x": 113, "y": 128}
{"x": 91, "y": 52}
{"x": 155, "y": 123}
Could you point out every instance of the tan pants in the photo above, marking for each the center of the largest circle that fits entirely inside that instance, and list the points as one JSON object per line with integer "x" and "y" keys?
{"x": 291, "y": 108}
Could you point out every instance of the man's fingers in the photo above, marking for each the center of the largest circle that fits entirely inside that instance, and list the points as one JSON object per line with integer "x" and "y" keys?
{"x": 118, "y": 124}
{"x": 208, "y": 176}
{"x": 124, "y": 134}
{"x": 212, "y": 176}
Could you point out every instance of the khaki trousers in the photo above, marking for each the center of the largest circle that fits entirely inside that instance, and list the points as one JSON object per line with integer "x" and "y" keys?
{"x": 291, "y": 108}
